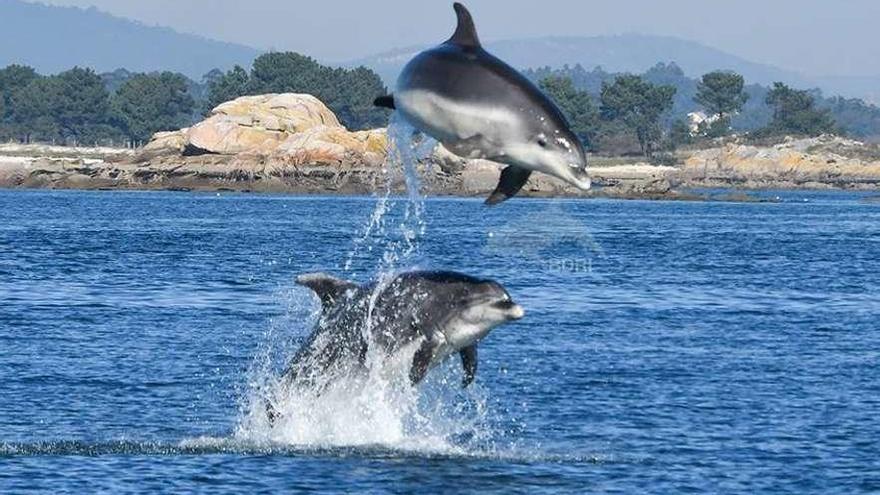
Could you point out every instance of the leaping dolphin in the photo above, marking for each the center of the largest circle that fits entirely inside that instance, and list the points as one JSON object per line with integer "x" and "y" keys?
{"x": 421, "y": 316}
{"x": 479, "y": 107}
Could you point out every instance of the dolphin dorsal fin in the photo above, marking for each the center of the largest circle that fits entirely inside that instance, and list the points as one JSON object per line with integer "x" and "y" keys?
{"x": 465, "y": 33}
{"x": 328, "y": 288}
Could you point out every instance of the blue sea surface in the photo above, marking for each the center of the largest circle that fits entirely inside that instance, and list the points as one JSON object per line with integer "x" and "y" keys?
{"x": 667, "y": 347}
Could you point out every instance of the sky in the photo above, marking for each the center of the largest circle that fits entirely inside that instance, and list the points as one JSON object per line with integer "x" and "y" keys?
{"x": 815, "y": 37}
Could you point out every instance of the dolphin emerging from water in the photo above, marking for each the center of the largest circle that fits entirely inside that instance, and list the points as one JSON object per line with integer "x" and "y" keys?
{"x": 479, "y": 107}
{"x": 421, "y": 317}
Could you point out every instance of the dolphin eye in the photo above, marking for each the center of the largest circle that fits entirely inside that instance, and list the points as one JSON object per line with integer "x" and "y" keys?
{"x": 542, "y": 142}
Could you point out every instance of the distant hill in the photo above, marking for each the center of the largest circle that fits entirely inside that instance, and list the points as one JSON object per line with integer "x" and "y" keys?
{"x": 632, "y": 53}
{"x": 52, "y": 39}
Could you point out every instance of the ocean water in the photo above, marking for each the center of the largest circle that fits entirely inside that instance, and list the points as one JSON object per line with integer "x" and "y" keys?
{"x": 667, "y": 347}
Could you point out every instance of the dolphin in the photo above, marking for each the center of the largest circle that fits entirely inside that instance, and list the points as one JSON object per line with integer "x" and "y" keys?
{"x": 420, "y": 316}
{"x": 479, "y": 107}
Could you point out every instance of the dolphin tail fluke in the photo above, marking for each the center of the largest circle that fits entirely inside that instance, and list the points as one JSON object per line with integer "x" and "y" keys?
{"x": 513, "y": 179}
{"x": 469, "y": 363}
{"x": 386, "y": 101}
{"x": 465, "y": 33}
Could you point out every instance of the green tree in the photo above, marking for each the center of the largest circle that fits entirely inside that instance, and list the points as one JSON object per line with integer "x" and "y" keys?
{"x": 854, "y": 116}
{"x": 147, "y": 103}
{"x": 639, "y": 105}
{"x": 679, "y": 134}
{"x": 71, "y": 106}
{"x": 721, "y": 93}
{"x": 280, "y": 72}
{"x": 348, "y": 92}
{"x": 227, "y": 86}
{"x": 82, "y": 105}
{"x": 13, "y": 78}
{"x": 795, "y": 112}
{"x": 32, "y": 110}
{"x": 353, "y": 95}
{"x": 114, "y": 80}
{"x": 576, "y": 105}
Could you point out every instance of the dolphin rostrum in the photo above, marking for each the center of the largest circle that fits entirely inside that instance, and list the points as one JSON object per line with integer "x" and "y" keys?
{"x": 479, "y": 107}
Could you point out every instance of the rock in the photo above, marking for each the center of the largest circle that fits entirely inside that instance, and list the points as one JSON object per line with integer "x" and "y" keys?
{"x": 331, "y": 145}
{"x": 480, "y": 176}
{"x": 448, "y": 162}
{"x": 285, "y": 112}
{"x": 249, "y": 124}
{"x": 796, "y": 161}
{"x": 222, "y": 135}
{"x": 166, "y": 143}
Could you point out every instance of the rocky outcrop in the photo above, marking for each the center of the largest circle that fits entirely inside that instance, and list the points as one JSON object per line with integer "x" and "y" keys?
{"x": 294, "y": 143}
{"x": 166, "y": 143}
{"x": 330, "y": 145}
{"x": 263, "y": 125}
{"x": 825, "y": 161}
{"x": 286, "y": 141}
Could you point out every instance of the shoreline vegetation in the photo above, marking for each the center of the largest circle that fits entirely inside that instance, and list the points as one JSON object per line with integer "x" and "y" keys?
{"x": 293, "y": 143}
{"x": 292, "y": 125}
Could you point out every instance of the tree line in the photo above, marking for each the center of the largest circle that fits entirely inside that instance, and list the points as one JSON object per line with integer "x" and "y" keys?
{"x": 79, "y": 106}
{"x": 615, "y": 113}
{"x": 74, "y": 106}
{"x": 630, "y": 108}
{"x": 348, "y": 92}
{"x": 612, "y": 113}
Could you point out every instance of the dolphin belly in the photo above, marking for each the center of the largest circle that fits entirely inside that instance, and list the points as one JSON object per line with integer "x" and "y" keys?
{"x": 467, "y": 129}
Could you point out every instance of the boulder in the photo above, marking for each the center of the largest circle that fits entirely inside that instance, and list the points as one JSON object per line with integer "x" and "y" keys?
{"x": 292, "y": 129}
{"x": 332, "y": 145}
{"x": 223, "y": 135}
{"x": 249, "y": 125}
{"x": 167, "y": 143}
{"x": 285, "y": 112}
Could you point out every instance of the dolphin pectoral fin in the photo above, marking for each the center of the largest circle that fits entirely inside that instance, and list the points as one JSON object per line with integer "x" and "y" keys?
{"x": 512, "y": 179}
{"x": 469, "y": 362}
{"x": 465, "y": 32}
{"x": 386, "y": 101}
{"x": 327, "y": 287}
{"x": 421, "y": 362}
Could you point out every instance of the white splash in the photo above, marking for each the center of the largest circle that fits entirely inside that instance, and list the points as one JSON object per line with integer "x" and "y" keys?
{"x": 377, "y": 407}
{"x": 396, "y": 244}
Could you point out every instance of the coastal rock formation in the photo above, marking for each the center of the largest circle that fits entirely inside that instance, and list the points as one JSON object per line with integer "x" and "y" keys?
{"x": 294, "y": 143}
{"x": 166, "y": 143}
{"x": 331, "y": 145}
{"x": 827, "y": 161}
{"x": 250, "y": 124}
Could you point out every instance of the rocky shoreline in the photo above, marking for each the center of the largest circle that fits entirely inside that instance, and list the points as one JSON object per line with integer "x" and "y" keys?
{"x": 292, "y": 143}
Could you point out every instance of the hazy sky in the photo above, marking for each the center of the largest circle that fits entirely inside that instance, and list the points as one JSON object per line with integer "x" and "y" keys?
{"x": 817, "y": 37}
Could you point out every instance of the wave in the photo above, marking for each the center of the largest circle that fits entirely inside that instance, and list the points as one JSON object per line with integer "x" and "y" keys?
{"x": 202, "y": 446}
